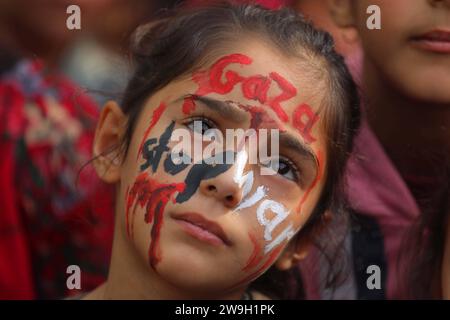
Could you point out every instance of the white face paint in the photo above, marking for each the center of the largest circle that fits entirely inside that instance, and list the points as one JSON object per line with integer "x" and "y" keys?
{"x": 286, "y": 235}
{"x": 281, "y": 213}
{"x": 260, "y": 193}
{"x": 247, "y": 182}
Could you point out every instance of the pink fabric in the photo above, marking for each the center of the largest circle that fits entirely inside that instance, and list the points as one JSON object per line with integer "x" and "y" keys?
{"x": 376, "y": 189}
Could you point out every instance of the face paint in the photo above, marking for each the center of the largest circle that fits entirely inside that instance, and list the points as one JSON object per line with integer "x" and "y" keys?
{"x": 303, "y": 120}
{"x": 212, "y": 82}
{"x": 314, "y": 183}
{"x": 155, "y": 118}
{"x": 288, "y": 92}
{"x": 286, "y": 235}
{"x": 198, "y": 172}
{"x": 270, "y": 260}
{"x": 269, "y": 225}
{"x": 154, "y": 196}
{"x": 174, "y": 168}
{"x": 153, "y": 157}
{"x": 255, "y": 257}
{"x": 188, "y": 105}
{"x": 259, "y": 118}
{"x": 256, "y": 88}
{"x": 247, "y": 181}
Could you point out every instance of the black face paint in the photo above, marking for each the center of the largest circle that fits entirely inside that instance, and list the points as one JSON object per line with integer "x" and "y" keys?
{"x": 173, "y": 168}
{"x": 153, "y": 156}
{"x": 202, "y": 171}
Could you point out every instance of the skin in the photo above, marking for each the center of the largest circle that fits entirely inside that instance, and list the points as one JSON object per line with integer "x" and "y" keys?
{"x": 131, "y": 276}
{"x": 408, "y": 92}
{"x": 318, "y": 12}
{"x": 410, "y": 88}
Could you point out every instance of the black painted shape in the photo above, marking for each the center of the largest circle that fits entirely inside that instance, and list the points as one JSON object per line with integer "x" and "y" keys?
{"x": 201, "y": 171}
{"x": 153, "y": 157}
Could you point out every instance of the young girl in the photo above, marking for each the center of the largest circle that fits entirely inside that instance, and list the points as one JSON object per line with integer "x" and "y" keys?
{"x": 190, "y": 228}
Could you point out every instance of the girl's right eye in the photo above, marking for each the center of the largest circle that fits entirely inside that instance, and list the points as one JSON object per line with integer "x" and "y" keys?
{"x": 200, "y": 124}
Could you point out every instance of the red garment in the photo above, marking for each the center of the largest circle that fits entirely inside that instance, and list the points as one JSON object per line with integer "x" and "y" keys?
{"x": 49, "y": 219}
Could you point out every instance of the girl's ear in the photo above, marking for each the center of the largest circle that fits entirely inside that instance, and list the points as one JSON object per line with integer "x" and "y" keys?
{"x": 298, "y": 248}
{"x": 107, "y": 143}
{"x": 341, "y": 12}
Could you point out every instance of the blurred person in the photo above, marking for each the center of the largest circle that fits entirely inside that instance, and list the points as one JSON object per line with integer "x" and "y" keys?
{"x": 51, "y": 217}
{"x": 398, "y": 174}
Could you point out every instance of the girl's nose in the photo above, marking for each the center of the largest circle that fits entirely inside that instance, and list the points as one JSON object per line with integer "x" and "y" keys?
{"x": 223, "y": 188}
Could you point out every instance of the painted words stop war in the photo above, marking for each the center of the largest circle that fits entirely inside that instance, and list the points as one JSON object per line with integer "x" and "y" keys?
{"x": 149, "y": 193}
{"x": 257, "y": 142}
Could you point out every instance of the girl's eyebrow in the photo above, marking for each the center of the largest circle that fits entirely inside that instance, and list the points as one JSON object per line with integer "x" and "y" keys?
{"x": 226, "y": 109}
{"x": 290, "y": 142}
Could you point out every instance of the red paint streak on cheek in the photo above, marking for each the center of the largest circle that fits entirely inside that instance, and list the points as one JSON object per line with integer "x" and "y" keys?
{"x": 129, "y": 201}
{"x": 288, "y": 92}
{"x": 188, "y": 105}
{"x": 212, "y": 81}
{"x": 270, "y": 260}
{"x": 154, "y": 196}
{"x": 304, "y": 120}
{"x": 314, "y": 183}
{"x": 155, "y": 118}
{"x": 255, "y": 257}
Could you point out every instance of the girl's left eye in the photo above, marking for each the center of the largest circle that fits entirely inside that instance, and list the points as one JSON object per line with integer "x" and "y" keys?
{"x": 286, "y": 168}
{"x": 200, "y": 124}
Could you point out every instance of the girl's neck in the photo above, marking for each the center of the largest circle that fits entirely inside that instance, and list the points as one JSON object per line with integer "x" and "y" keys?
{"x": 130, "y": 278}
{"x": 414, "y": 134}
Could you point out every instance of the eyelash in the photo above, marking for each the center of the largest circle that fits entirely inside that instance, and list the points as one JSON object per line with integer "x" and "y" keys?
{"x": 213, "y": 125}
{"x": 208, "y": 121}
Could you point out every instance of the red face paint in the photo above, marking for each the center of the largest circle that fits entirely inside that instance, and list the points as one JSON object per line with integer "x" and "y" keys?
{"x": 256, "y": 88}
{"x": 255, "y": 257}
{"x": 212, "y": 82}
{"x": 259, "y": 118}
{"x": 314, "y": 183}
{"x": 288, "y": 92}
{"x": 271, "y": 259}
{"x": 155, "y": 117}
{"x": 188, "y": 105}
{"x": 303, "y": 120}
{"x": 154, "y": 196}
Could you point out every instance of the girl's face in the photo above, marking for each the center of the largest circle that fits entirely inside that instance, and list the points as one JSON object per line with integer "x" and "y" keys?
{"x": 209, "y": 227}
{"x": 412, "y": 48}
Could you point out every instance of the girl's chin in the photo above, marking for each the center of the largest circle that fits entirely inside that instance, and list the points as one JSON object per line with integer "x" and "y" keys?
{"x": 191, "y": 276}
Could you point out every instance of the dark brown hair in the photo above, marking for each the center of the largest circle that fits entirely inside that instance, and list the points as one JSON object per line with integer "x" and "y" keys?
{"x": 180, "y": 42}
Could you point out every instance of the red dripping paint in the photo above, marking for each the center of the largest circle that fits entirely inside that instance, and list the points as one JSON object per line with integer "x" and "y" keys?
{"x": 256, "y": 88}
{"x": 305, "y": 127}
{"x": 212, "y": 82}
{"x": 188, "y": 105}
{"x": 127, "y": 210}
{"x": 154, "y": 196}
{"x": 271, "y": 259}
{"x": 259, "y": 118}
{"x": 314, "y": 183}
{"x": 288, "y": 92}
{"x": 255, "y": 257}
{"x": 155, "y": 118}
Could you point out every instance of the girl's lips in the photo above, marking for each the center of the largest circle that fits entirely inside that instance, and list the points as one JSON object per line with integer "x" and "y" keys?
{"x": 201, "y": 228}
{"x": 437, "y": 41}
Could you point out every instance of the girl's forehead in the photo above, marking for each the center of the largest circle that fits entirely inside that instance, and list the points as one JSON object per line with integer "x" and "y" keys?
{"x": 262, "y": 83}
